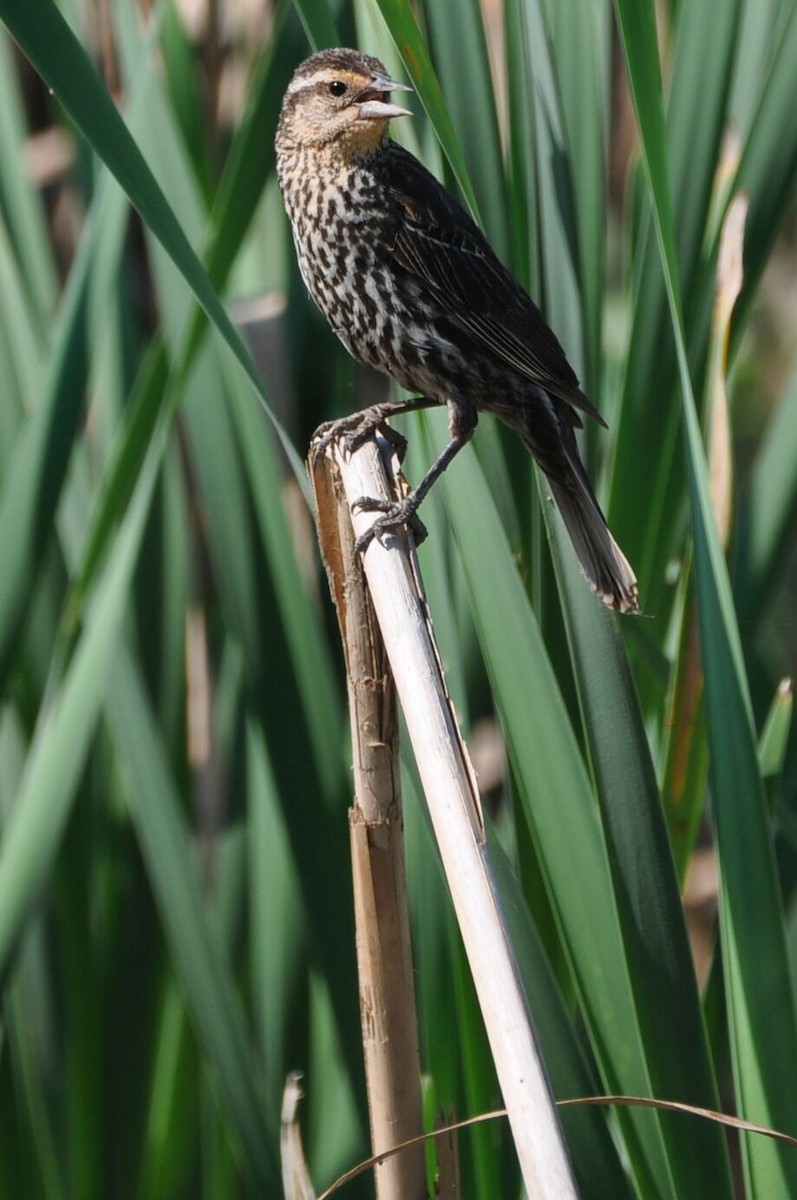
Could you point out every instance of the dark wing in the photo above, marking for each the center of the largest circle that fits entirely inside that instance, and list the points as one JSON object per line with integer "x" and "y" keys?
{"x": 438, "y": 243}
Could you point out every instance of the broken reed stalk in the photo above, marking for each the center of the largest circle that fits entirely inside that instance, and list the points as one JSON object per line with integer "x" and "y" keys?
{"x": 384, "y": 954}
{"x": 452, "y": 798}
{"x": 296, "y": 1183}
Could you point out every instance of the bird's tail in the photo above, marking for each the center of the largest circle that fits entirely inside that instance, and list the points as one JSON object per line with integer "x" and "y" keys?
{"x": 607, "y": 569}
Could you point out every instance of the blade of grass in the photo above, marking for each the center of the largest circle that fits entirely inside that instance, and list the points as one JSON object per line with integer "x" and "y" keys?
{"x": 55, "y": 52}
{"x": 251, "y": 157}
{"x": 599, "y": 1170}
{"x": 522, "y": 157}
{"x": 667, "y": 1004}
{"x": 21, "y": 203}
{"x": 412, "y": 47}
{"x": 42, "y": 449}
{"x": 215, "y": 455}
{"x": 310, "y": 656}
{"x": 768, "y": 168}
{"x": 277, "y": 950}
{"x": 775, "y": 734}
{"x": 318, "y": 22}
{"x": 647, "y": 466}
{"x": 769, "y": 510}
{"x": 478, "y": 1074}
{"x": 686, "y": 757}
{"x": 560, "y": 295}
{"x": 580, "y": 41}
{"x": 760, "y": 35}
{"x": 27, "y": 340}
{"x": 182, "y": 82}
{"x": 764, "y": 1041}
{"x": 22, "y": 1051}
{"x": 58, "y": 752}
{"x": 172, "y": 1121}
{"x": 160, "y": 382}
{"x": 204, "y": 975}
{"x": 557, "y": 803}
{"x": 470, "y": 97}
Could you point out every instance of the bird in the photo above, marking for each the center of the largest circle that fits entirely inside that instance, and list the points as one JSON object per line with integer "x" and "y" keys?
{"x": 410, "y": 285}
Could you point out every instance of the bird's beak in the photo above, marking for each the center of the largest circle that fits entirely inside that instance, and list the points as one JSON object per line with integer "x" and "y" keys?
{"x": 373, "y": 107}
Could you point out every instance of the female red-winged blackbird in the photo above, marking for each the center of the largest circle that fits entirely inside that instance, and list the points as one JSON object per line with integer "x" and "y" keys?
{"x": 411, "y": 287}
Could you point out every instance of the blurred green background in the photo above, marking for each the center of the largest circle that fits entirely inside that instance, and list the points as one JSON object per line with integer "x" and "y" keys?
{"x": 175, "y": 910}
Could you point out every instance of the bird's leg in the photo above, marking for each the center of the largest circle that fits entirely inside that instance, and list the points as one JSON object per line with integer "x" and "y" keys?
{"x": 463, "y": 419}
{"x": 357, "y": 427}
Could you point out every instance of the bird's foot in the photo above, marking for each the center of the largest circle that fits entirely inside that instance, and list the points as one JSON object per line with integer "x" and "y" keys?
{"x": 396, "y": 513}
{"x": 355, "y": 429}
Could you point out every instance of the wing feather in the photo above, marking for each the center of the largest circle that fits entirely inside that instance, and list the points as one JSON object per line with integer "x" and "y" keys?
{"x": 438, "y": 243}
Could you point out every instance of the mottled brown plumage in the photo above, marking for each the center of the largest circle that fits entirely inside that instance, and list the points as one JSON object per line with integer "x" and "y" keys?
{"x": 411, "y": 287}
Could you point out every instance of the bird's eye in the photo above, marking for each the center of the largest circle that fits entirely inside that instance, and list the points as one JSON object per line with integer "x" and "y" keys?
{"x": 337, "y": 87}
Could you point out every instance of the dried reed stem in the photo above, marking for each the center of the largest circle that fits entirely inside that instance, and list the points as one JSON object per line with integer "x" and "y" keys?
{"x": 453, "y": 802}
{"x": 384, "y": 956}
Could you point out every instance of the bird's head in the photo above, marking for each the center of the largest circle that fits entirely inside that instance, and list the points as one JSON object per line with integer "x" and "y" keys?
{"x": 341, "y": 99}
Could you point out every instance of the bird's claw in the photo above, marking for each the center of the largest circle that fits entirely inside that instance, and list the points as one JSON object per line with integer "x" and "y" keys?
{"x": 352, "y": 431}
{"x": 396, "y": 513}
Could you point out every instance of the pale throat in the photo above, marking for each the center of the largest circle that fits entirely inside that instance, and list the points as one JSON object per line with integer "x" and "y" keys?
{"x": 363, "y": 137}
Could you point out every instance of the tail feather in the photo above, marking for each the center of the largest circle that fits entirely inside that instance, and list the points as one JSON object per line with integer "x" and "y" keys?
{"x": 608, "y": 571}
{"x": 547, "y": 427}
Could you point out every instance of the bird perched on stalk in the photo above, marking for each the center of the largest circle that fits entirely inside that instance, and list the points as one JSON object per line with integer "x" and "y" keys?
{"x": 411, "y": 287}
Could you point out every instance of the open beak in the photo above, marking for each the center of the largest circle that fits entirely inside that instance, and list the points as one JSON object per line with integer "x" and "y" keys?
{"x": 374, "y": 102}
